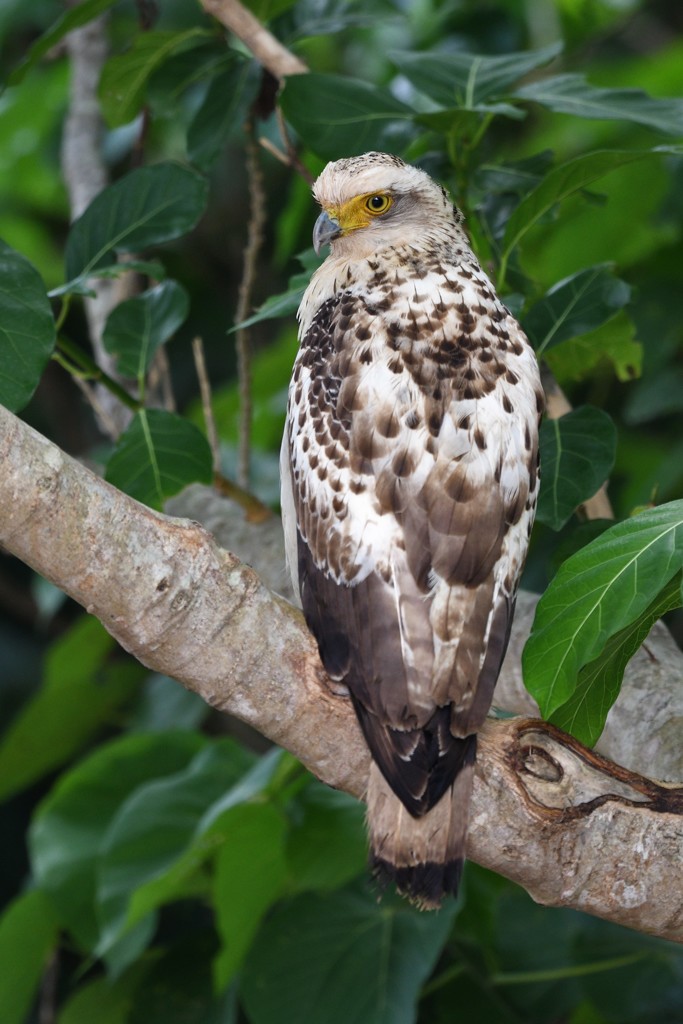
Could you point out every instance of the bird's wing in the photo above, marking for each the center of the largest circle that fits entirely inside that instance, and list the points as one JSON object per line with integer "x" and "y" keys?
{"x": 404, "y": 517}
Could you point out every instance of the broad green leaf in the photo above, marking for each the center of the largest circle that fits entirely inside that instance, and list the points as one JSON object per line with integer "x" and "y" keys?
{"x": 81, "y": 691}
{"x": 152, "y": 830}
{"x": 599, "y": 591}
{"x": 614, "y": 341}
{"x": 564, "y": 181}
{"x": 158, "y": 455}
{"x": 572, "y": 94}
{"x": 577, "y": 456}
{"x": 148, "y": 206}
{"x": 498, "y": 189}
{"x": 137, "y": 327}
{"x": 655, "y": 396}
{"x": 222, "y": 112}
{"x": 254, "y": 783}
{"x": 575, "y": 306}
{"x": 338, "y": 116}
{"x": 168, "y": 85}
{"x": 464, "y": 123}
{"x": 165, "y": 704}
{"x": 646, "y": 986}
{"x": 27, "y": 328}
{"x": 327, "y": 846}
{"x": 28, "y": 933}
{"x": 125, "y": 76}
{"x": 469, "y": 80}
{"x": 69, "y": 826}
{"x": 250, "y": 874}
{"x": 585, "y": 713}
{"x": 103, "y": 1000}
{"x": 177, "y": 987}
{"x": 195, "y": 823}
{"x": 342, "y": 958}
{"x": 70, "y": 19}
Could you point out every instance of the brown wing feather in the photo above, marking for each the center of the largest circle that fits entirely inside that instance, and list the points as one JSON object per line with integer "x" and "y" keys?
{"x": 453, "y": 520}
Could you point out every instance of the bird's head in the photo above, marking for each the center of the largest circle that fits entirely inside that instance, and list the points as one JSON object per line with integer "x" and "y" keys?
{"x": 375, "y": 200}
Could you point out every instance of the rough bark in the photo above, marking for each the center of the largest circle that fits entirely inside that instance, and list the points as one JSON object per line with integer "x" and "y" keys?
{"x": 570, "y": 826}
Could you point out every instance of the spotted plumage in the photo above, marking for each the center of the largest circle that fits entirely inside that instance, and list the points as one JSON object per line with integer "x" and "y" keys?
{"x": 409, "y": 483}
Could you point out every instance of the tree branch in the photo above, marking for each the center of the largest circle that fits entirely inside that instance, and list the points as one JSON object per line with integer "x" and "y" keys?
{"x": 572, "y": 828}
{"x": 267, "y": 50}
{"x": 85, "y": 176}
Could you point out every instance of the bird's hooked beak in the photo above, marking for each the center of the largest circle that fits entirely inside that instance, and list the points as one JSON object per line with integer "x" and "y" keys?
{"x": 326, "y": 229}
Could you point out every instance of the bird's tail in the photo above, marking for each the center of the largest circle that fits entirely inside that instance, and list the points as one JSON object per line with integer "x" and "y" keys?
{"x": 422, "y": 856}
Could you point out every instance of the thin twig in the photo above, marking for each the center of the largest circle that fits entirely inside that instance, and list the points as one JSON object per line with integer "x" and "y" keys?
{"x": 91, "y": 395}
{"x": 47, "y": 1006}
{"x": 207, "y": 407}
{"x": 160, "y": 381}
{"x": 290, "y": 150}
{"x": 268, "y": 50}
{"x": 257, "y": 203}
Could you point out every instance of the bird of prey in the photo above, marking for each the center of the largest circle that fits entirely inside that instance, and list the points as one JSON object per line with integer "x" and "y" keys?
{"x": 409, "y": 481}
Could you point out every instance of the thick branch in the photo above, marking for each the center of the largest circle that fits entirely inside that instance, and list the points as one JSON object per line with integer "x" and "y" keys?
{"x": 572, "y": 828}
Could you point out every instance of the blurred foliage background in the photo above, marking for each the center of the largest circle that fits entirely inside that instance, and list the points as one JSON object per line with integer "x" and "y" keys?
{"x": 153, "y": 868}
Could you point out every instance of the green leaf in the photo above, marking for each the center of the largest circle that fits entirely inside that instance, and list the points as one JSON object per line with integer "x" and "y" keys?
{"x": 564, "y": 181}
{"x": 193, "y": 822}
{"x": 148, "y": 206}
{"x": 602, "y": 589}
{"x": 224, "y": 108}
{"x": 165, "y": 704}
{"x": 338, "y": 116}
{"x": 82, "y": 688}
{"x": 468, "y": 80}
{"x": 102, "y": 1000}
{"x": 250, "y": 875}
{"x": 125, "y": 76}
{"x": 177, "y": 988}
{"x": 286, "y": 303}
{"x": 614, "y": 341}
{"x": 585, "y": 713}
{"x": 167, "y": 86}
{"x": 27, "y": 328}
{"x": 572, "y": 94}
{"x": 655, "y": 397}
{"x": 158, "y": 455}
{"x": 574, "y": 306}
{"x": 69, "y": 826}
{"x": 152, "y": 830}
{"x": 342, "y": 958}
{"x": 72, "y": 18}
{"x": 28, "y": 933}
{"x": 327, "y": 846}
{"x": 577, "y": 456}
{"x": 137, "y": 327}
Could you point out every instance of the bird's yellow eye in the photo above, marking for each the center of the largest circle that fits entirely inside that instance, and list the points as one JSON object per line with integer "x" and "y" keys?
{"x": 378, "y": 204}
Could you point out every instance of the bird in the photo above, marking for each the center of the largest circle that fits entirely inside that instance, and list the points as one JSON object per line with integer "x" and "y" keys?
{"x": 409, "y": 480}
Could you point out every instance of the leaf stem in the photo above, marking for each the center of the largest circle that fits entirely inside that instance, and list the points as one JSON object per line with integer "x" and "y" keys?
{"x": 251, "y": 251}
{"x": 82, "y": 362}
{"x": 560, "y": 973}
